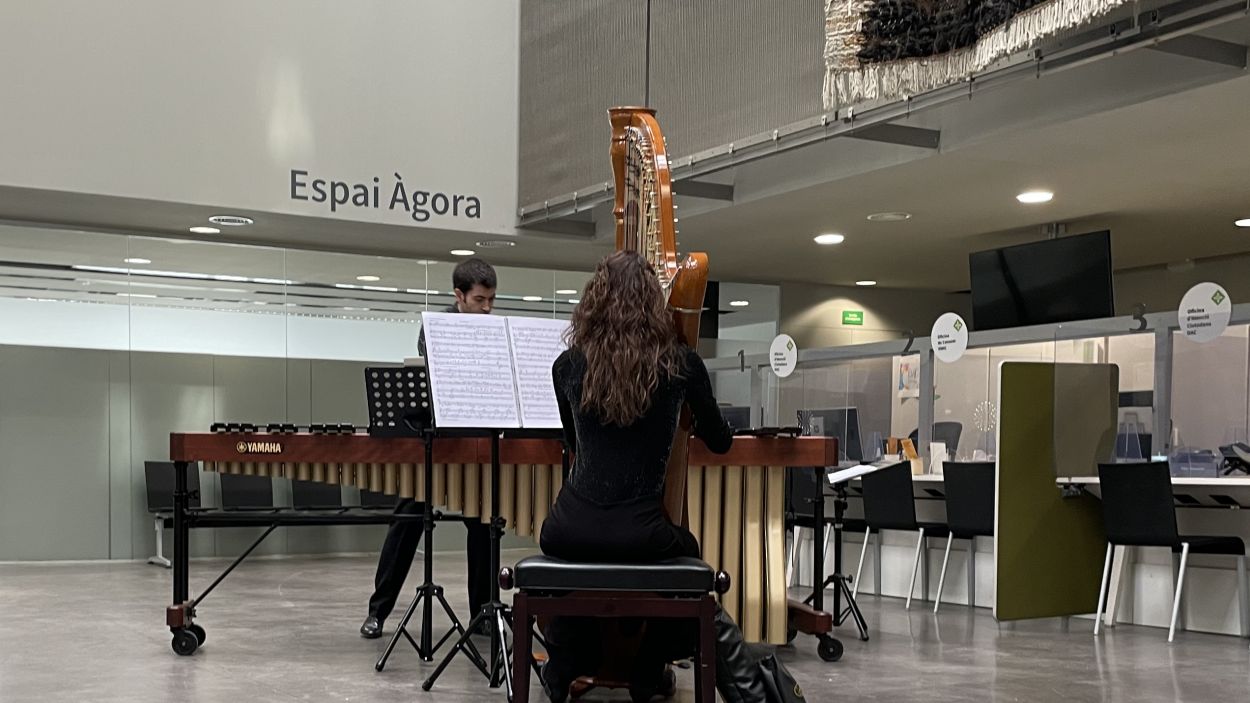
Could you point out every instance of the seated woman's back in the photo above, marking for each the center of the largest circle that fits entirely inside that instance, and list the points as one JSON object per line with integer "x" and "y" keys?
{"x": 622, "y": 462}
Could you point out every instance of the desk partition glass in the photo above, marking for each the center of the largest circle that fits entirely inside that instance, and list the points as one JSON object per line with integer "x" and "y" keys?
{"x": 1210, "y": 399}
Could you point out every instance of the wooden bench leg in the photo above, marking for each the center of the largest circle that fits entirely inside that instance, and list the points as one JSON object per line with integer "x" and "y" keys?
{"x": 705, "y": 681}
{"x": 522, "y": 642}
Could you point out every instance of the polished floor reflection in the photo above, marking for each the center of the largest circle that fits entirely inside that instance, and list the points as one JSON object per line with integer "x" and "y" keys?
{"x": 285, "y": 630}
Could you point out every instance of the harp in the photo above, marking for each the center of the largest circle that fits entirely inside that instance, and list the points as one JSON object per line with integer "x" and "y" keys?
{"x": 643, "y": 209}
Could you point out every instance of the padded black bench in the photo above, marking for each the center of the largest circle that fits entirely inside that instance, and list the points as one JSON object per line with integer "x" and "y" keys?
{"x": 678, "y": 588}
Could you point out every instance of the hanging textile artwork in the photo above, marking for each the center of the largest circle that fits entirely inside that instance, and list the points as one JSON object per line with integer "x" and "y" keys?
{"x": 888, "y": 49}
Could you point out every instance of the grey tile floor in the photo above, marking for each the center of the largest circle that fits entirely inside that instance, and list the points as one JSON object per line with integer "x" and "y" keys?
{"x": 285, "y": 630}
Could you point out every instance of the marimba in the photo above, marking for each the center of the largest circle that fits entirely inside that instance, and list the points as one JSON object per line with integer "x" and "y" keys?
{"x": 736, "y": 501}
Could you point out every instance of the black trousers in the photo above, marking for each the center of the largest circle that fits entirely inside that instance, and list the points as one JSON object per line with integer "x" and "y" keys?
{"x": 636, "y": 531}
{"x": 400, "y": 548}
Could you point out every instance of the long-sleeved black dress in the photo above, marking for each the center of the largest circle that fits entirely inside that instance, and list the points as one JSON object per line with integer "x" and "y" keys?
{"x": 611, "y": 508}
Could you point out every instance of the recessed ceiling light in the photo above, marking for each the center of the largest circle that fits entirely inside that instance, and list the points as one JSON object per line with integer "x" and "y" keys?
{"x": 231, "y": 220}
{"x": 865, "y": 283}
{"x": 532, "y": 298}
{"x": 739, "y": 303}
{"x": 1032, "y": 197}
{"x": 496, "y": 244}
{"x": 462, "y": 252}
{"x": 1243, "y": 223}
{"x": 137, "y": 260}
{"x": 575, "y": 301}
{"x": 204, "y": 230}
{"x": 368, "y": 278}
{"x": 425, "y": 262}
{"x": 829, "y": 238}
{"x": 565, "y": 291}
{"x": 889, "y": 216}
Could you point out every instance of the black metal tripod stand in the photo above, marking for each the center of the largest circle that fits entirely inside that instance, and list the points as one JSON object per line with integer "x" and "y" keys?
{"x": 494, "y": 613}
{"x": 428, "y": 592}
{"x": 839, "y": 581}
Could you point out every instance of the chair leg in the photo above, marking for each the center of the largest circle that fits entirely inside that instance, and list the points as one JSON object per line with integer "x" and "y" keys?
{"x": 1180, "y": 587}
{"x": 915, "y": 566}
{"x": 794, "y": 554}
{"x": 859, "y": 570}
{"x": 1102, "y": 589}
{"x": 972, "y": 573}
{"x": 937, "y": 602}
{"x": 877, "y": 545}
{"x": 1243, "y": 590}
{"x": 522, "y": 641}
{"x": 705, "y": 680}
{"x": 160, "y": 559}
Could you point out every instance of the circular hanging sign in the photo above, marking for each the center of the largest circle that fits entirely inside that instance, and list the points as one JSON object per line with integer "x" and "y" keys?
{"x": 1204, "y": 312}
{"x": 949, "y": 337}
{"x": 783, "y": 355}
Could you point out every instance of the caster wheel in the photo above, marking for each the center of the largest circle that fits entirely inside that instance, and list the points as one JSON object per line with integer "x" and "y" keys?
{"x": 829, "y": 649}
{"x": 185, "y": 643}
{"x": 199, "y": 633}
{"x": 790, "y": 635}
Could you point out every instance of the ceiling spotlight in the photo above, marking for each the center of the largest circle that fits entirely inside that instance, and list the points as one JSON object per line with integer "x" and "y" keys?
{"x": 532, "y": 298}
{"x": 1032, "y": 197}
{"x": 865, "y": 283}
{"x": 575, "y": 301}
{"x": 368, "y": 279}
{"x": 889, "y": 216}
{"x": 462, "y": 252}
{"x": 137, "y": 260}
{"x": 1243, "y": 223}
{"x": 566, "y": 291}
{"x": 231, "y": 220}
{"x": 204, "y": 230}
{"x": 829, "y": 239}
{"x": 739, "y": 303}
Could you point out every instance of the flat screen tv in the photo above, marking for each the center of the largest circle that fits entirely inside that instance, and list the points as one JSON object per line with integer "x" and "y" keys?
{"x": 1056, "y": 280}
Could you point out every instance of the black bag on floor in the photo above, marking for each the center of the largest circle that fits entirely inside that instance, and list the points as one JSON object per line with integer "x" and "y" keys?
{"x": 748, "y": 673}
{"x": 780, "y": 686}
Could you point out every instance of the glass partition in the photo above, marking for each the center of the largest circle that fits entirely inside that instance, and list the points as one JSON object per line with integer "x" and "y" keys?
{"x": 1210, "y": 397}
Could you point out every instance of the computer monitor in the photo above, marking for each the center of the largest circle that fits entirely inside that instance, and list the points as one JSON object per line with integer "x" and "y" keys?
{"x": 738, "y": 416}
{"x": 840, "y": 423}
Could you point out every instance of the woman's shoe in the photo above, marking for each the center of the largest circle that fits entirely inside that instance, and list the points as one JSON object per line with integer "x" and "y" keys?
{"x": 557, "y": 691}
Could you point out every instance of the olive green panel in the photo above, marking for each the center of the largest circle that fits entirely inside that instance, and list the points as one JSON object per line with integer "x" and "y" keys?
{"x": 1050, "y": 549}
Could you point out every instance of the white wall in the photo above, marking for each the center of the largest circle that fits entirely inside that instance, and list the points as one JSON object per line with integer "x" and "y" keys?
{"x": 215, "y": 103}
{"x": 812, "y": 314}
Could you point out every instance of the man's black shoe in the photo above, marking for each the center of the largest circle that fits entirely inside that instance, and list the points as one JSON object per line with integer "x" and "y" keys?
{"x": 372, "y": 629}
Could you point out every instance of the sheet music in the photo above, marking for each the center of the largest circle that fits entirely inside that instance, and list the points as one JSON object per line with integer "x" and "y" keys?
{"x": 536, "y": 342}
{"x": 470, "y": 370}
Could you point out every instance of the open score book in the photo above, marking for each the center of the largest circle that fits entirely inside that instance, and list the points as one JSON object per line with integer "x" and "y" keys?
{"x": 493, "y": 371}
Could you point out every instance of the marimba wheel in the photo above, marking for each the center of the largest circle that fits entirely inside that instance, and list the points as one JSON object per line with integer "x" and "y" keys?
{"x": 829, "y": 649}
{"x": 185, "y": 643}
{"x": 200, "y": 634}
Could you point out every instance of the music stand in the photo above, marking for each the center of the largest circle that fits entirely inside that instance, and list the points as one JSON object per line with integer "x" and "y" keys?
{"x": 496, "y": 614}
{"x": 400, "y": 406}
{"x": 840, "y": 582}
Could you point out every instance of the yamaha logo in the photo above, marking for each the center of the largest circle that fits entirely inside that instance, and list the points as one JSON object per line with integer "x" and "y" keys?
{"x": 259, "y": 447}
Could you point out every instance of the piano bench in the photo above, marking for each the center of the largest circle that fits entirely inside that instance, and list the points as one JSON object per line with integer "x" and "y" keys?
{"x": 677, "y": 588}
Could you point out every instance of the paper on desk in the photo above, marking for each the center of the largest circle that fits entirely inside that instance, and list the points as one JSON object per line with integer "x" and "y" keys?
{"x": 847, "y": 474}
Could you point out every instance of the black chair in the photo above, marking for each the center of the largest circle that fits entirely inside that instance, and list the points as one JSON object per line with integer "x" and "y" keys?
{"x": 1138, "y": 510}
{"x": 307, "y": 495}
{"x": 678, "y": 588}
{"x": 945, "y": 432}
{"x": 159, "y": 481}
{"x": 969, "y": 514}
{"x": 369, "y": 499}
{"x": 243, "y": 492}
{"x": 889, "y": 504}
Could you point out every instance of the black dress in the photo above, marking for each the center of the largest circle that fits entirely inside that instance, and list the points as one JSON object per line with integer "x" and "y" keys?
{"x": 611, "y": 508}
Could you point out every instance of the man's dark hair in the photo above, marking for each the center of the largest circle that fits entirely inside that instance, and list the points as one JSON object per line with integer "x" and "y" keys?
{"x": 471, "y": 272}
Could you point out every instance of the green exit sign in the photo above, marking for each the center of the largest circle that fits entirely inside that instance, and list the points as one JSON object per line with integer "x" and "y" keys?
{"x": 853, "y": 317}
